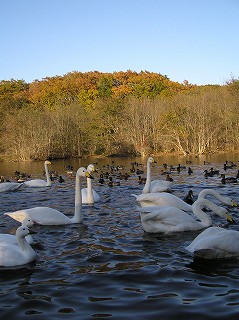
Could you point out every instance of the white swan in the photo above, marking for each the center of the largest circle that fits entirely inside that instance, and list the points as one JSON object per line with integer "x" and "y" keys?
{"x": 168, "y": 199}
{"x": 159, "y": 219}
{"x": 89, "y": 195}
{"x": 215, "y": 243}
{"x": 41, "y": 182}
{"x": 10, "y": 238}
{"x": 49, "y": 216}
{"x": 155, "y": 185}
{"x": 12, "y": 255}
{"x": 9, "y": 186}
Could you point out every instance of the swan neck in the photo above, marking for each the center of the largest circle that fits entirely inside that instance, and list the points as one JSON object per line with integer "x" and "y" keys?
{"x": 24, "y": 245}
{"x": 48, "y": 179}
{"x": 146, "y": 188}
{"x": 90, "y": 198}
{"x": 205, "y": 192}
{"x": 78, "y": 217}
{"x": 204, "y": 218}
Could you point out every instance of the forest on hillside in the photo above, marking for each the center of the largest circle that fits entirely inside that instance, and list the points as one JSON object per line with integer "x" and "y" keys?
{"x": 120, "y": 113}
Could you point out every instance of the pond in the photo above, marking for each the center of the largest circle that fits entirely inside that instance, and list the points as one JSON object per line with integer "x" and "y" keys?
{"x": 108, "y": 267}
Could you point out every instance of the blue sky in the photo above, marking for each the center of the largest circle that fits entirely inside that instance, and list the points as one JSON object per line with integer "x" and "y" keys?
{"x": 194, "y": 40}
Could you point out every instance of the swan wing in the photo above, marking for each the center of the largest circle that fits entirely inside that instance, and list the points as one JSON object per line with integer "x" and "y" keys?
{"x": 215, "y": 243}
{"x": 167, "y": 219}
{"x": 163, "y": 199}
{"x": 35, "y": 183}
{"x": 9, "y": 186}
{"x": 160, "y": 186}
{"x": 41, "y": 215}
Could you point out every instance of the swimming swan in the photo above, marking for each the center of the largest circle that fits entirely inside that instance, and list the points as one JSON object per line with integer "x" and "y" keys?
{"x": 215, "y": 243}
{"x": 155, "y": 185}
{"x": 9, "y": 186}
{"x": 40, "y": 182}
{"x": 159, "y": 219}
{"x": 49, "y": 216}
{"x": 168, "y": 199}
{"x": 10, "y": 238}
{"x": 15, "y": 255}
{"x": 89, "y": 195}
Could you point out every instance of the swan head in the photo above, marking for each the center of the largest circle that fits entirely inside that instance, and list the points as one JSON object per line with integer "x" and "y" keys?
{"x": 82, "y": 172}
{"x": 151, "y": 160}
{"x": 22, "y": 231}
{"x": 91, "y": 168}
{"x": 47, "y": 162}
{"x": 27, "y": 222}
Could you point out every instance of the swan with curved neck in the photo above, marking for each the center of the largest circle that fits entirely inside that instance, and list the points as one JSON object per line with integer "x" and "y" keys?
{"x": 155, "y": 185}
{"x": 41, "y": 182}
{"x": 89, "y": 195}
{"x": 49, "y": 216}
{"x": 215, "y": 243}
{"x": 168, "y": 199}
{"x": 10, "y": 238}
{"x": 12, "y": 255}
{"x": 158, "y": 219}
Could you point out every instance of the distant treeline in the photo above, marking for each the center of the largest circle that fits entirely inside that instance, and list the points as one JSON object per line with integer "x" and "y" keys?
{"x": 120, "y": 113}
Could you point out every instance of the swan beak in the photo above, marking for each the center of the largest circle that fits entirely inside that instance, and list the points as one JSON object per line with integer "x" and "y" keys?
{"x": 234, "y": 204}
{"x": 88, "y": 175}
{"x": 230, "y": 219}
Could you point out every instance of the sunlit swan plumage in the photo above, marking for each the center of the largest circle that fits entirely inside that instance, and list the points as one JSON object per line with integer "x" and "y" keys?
{"x": 49, "y": 216}
{"x": 159, "y": 219}
{"x": 9, "y": 186}
{"x": 168, "y": 199}
{"x": 10, "y": 238}
{"x": 41, "y": 182}
{"x": 12, "y": 255}
{"x": 215, "y": 243}
{"x": 155, "y": 185}
{"x": 89, "y": 195}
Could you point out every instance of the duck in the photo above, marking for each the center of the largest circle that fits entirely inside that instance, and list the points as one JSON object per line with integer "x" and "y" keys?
{"x": 215, "y": 243}
{"x": 189, "y": 197}
{"x": 12, "y": 255}
{"x": 168, "y": 199}
{"x": 155, "y": 185}
{"x": 158, "y": 219}
{"x": 228, "y": 179}
{"x": 10, "y": 186}
{"x": 41, "y": 182}
{"x": 89, "y": 195}
{"x": 101, "y": 179}
{"x": 49, "y": 216}
{"x": 10, "y": 238}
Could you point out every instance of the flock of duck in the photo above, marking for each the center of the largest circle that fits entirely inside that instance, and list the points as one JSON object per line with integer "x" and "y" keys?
{"x": 160, "y": 212}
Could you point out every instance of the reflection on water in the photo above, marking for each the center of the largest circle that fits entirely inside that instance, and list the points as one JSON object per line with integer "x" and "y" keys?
{"x": 108, "y": 267}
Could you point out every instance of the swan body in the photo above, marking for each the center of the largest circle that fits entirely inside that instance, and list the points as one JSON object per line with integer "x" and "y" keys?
{"x": 10, "y": 238}
{"x": 40, "y": 182}
{"x": 12, "y": 255}
{"x": 168, "y": 199}
{"x": 155, "y": 185}
{"x": 9, "y": 186}
{"x": 49, "y": 216}
{"x": 162, "y": 199}
{"x": 89, "y": 195}
{"x": 158, "y": 219}
{"x": 215, "y": 243}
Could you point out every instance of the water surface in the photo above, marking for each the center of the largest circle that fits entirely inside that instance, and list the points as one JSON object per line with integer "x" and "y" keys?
{"x": 108, "y": 267}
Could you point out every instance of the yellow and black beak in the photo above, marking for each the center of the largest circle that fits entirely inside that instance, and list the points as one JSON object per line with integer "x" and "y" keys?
{"x": 88, "y": 175}
{"x": 230, "y": 219}
{"x": 234, "y": 204}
